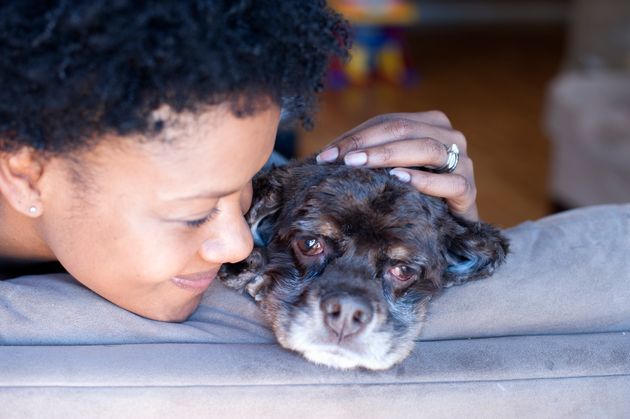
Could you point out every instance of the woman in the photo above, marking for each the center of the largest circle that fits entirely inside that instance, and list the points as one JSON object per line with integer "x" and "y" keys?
{"x": 129, "y": 135}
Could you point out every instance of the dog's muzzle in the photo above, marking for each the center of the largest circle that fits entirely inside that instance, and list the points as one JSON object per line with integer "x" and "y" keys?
{"x": 346, "y": 315}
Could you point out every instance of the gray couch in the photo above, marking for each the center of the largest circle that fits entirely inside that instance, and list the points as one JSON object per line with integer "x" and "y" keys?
{"x": 547, "y": 336}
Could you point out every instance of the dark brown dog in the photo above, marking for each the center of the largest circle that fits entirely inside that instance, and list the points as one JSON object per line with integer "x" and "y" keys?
{"x": 348, "y": 259}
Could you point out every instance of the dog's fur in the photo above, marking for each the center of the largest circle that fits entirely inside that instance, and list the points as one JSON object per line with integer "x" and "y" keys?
{"x": 347, "y": 260}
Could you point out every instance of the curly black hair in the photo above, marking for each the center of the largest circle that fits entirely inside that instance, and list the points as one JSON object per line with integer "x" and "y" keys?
{"x": 72, "y": 70}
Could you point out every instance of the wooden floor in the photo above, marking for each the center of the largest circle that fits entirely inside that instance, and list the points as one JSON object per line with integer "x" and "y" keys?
{"x": 491, "y": 83}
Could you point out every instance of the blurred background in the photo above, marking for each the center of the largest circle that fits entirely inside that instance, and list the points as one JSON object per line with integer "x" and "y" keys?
{"x": 541, "y": 89}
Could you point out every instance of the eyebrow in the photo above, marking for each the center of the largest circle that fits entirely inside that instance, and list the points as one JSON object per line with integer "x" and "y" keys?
{"x": 203, "y": 195}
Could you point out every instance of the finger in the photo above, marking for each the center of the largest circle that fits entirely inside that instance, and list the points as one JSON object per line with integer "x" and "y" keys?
{"x": 436, "y": 118}
{"x": 460, "y": 194}
{"x": 390, "y": 131}
{"x": 416, "y": 152}
{"x": 392, "y": 127}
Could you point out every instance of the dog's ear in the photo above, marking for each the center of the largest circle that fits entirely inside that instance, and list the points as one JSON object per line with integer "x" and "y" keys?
{"x": 266, "y": 203}
{"x": 472, "y": 250}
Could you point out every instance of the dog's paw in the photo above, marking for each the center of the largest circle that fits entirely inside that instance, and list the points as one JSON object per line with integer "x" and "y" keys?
{"x": 246, "y": 275}
{"x": 239, "y": 275}
{"x": 256, "y": 286}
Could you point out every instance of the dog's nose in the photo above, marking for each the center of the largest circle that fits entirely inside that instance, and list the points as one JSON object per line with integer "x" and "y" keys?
{"x": 346, "y": 315}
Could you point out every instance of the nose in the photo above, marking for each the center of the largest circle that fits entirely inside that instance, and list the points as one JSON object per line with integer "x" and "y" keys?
{"x": 231, "y": 241}
{"x": 346, "y": 315}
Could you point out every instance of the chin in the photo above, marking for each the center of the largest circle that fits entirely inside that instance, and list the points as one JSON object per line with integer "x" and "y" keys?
{"x": 171, "y": 313}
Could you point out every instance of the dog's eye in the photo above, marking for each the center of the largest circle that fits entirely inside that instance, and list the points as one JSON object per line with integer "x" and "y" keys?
{"x": 310, "y": 246}
{"x": 403, "y": 272}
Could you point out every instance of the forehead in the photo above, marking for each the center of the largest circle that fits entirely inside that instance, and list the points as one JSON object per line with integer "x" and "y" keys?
{"x": 190, "y": 152}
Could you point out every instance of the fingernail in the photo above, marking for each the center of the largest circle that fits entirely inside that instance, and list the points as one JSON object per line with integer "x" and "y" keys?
{"x": 401, "y": 175}
{"x": 328, "y": 155}
{"x": 355, "y": 159}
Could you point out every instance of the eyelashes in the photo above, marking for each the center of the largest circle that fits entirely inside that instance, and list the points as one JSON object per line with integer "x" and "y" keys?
{"x": 202, "y": 221}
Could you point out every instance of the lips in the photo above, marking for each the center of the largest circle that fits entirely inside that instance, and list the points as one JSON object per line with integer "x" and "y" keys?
{"x": 197, "y": 282}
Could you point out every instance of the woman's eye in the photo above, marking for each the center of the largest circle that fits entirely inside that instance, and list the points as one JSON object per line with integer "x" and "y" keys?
{"x": 310, "y": 246}
{"x": 201, "y": 221}
{"x": 403, "y": 272}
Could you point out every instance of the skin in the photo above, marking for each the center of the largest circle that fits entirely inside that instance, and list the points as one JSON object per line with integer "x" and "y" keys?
{"x": 124, "y": 229}
{"x": 125, "y": 235}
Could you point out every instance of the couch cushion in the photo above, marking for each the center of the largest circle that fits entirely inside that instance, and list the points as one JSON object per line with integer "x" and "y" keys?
{"x": 569, "y": 273}
{"x": 547, "y": 336}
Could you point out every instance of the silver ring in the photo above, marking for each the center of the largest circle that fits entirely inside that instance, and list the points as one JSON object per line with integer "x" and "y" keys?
{"x": 451, "y": 160}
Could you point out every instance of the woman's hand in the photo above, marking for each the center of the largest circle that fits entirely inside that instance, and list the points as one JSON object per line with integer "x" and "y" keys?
{"x": 404, "y": 140}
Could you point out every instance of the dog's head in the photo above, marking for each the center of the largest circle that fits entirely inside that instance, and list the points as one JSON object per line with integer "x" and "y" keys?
{"x": 351, "y": 258}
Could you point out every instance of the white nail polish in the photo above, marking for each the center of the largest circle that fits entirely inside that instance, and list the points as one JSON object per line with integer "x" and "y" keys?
{"x": 355, "y": 159}
{"x": 401, "y": 175}
{"x": 328, "y": 155}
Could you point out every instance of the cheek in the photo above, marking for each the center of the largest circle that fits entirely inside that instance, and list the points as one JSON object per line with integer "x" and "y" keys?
{"x": 246, "y": 198}
{"x": 98, "y": 247}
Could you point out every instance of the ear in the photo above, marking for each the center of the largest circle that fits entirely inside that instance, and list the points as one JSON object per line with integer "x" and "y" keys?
{"x": 20, "y": 172}
{"x": 473, "y": 251}
{"x": 266, "y": 203}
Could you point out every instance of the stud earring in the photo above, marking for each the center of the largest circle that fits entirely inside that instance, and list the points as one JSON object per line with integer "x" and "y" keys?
{"x": 32, "y": 209}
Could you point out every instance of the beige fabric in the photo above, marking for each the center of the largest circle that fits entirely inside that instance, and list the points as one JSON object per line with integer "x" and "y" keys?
{"x": 588, "y": 122}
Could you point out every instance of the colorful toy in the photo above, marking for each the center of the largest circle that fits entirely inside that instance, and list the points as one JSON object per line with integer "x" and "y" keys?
{"x": 378, "y": 50}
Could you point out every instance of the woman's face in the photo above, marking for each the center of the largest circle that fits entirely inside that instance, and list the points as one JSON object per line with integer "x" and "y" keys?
{"x": 149, "y": 223}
